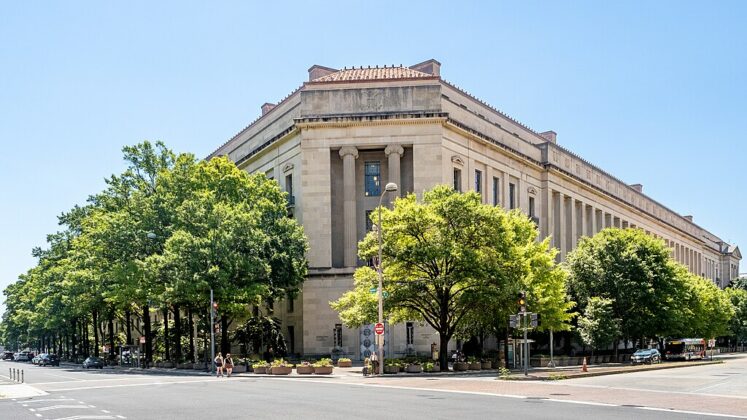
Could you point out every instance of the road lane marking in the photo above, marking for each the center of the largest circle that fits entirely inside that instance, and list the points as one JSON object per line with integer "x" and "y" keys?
{"x": 85, "y": 417}
{"x": 44, "y": 400}
{"x": 57, "y": 407}
{"x": 623, "y": 388}
{"x": 697, "y": 413}
{"x": 131, "y": 385}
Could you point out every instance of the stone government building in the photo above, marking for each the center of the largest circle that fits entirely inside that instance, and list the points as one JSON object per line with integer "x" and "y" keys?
{"x": 335, "y": 142}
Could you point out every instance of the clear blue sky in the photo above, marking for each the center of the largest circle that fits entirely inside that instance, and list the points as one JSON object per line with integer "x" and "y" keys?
{"x": 653, "y": 92}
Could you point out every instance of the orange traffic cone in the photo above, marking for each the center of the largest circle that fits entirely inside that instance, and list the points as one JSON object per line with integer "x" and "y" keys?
{"x": 583, "y": 367}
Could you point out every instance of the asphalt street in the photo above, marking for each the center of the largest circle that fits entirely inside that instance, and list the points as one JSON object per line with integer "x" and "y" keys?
{"x": 76, "y": 394}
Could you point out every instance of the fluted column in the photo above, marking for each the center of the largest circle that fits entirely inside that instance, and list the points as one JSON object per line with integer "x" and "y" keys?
{"x": 394, "y": 152}
{"x": 572, "y": 225}
{"x": 563, "y": 221}
{"x": 349, "y": 154}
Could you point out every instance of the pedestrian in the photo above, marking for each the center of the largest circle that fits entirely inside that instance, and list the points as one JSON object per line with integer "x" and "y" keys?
{"x": 218, "y": 365}
{"x": 375, "y": 363}
{"x": 228, "y": 364}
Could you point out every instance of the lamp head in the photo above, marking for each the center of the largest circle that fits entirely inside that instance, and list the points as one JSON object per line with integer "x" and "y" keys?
{"x": 390, "y": 187}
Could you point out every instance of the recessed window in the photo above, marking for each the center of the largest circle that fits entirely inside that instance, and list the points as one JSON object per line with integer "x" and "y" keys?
{"x": 373, "y": 179}
{"x": 410, "y": 327}
{"x": 531, "y": 206}
{"x": 511, "y": 196}
{"x": 457, "y": 180}
{"x": 496, "y": 190}
{"x": 478, "y": 181}
{"x": 338, "y": 335}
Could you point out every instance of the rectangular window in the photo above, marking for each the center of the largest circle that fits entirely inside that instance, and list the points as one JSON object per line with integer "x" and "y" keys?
{"x": 478, "y": 181}
{"x": 369, "y": 222}
{"x": 338, "y": 335}
{"x": 496, "y": 190}
{"x": 289, "y": 184}
{"x": 291, "y": 338}
{"x": 511, "y": 196}
{"x": 373, "y": 179}
{"x": 457, "y": 180}
{"x": 410, "y": 327}
{"x": 531, "y": 206}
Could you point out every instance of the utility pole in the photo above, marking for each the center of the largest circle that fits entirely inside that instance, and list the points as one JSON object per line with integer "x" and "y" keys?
{"x": 212, "y": 333}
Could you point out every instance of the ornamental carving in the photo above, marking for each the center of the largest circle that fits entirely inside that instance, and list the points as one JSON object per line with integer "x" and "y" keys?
{"x": 531, "y": 190}
{"x": 288, "y": 167}
{"x": 349, "y": 150}
{"x": 456, "y": 159}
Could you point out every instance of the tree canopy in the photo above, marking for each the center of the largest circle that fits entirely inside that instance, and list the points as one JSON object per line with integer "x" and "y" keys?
{"x": 445, "y": 256}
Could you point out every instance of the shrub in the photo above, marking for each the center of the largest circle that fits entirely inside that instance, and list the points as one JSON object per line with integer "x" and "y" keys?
{"x": 344, "y": 359}
{"x": 281, "y": 363}
{"x": 324, "y": 362}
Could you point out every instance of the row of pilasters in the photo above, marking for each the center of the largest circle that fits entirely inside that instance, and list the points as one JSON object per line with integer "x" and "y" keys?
{"x": 349, "y": 154}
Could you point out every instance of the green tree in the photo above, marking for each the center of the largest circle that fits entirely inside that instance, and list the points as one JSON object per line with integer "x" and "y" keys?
{"x": 598, "y": 326}
{"x": 633, "y": 270}
{"x": 441, "y": 257}
{"x": 738, "y": 323}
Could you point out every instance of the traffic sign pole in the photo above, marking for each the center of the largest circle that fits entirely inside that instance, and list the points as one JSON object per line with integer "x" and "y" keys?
{"x": 212, "y": 334}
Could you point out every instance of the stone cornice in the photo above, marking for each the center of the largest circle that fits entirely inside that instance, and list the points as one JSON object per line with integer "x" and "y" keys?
{"x": 283, "y": 135}
{"x": 359, "y": 120}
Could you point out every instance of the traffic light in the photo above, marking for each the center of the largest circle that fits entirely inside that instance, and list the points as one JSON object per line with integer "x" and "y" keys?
{"x": 523, "y": 301}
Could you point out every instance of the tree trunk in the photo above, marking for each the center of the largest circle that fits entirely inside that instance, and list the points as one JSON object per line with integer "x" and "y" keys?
{"x": 191, "y": 326}
{"x": 177, "y": 334}
{"x": 111, "y": 334}
{"x": 128, "y": 325}
{"x": 148, "y": 336}
{"x": 86, "y": 337}
{"x": 225, "y": 345}
{"x": 166, "y": 340}
{"x": 71, "y": 346}
{"x": 95, "y": 316}
{"x": 505, "y": 347}
{"x": 443, "y": 355}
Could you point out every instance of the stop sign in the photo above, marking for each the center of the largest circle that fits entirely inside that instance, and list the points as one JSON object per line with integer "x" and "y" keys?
{"x": 379, "y": 328}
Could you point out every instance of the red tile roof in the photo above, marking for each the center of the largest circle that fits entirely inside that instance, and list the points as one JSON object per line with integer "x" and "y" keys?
{"x": 372, "y": 73}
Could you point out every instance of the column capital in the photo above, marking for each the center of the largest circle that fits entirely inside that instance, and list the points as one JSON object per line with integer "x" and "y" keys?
{"x": 394, "y": 148}
{"x": 349, "y": 150}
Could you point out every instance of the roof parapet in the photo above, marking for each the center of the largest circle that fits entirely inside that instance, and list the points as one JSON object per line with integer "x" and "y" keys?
{"x": 431, "y": 67}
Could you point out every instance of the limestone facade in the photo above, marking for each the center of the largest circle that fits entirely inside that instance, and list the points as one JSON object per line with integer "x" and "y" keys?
{"x": 338, "y": 139}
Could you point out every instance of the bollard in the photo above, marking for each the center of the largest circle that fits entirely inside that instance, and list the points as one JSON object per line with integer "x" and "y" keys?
{"x": 21, "y": 375}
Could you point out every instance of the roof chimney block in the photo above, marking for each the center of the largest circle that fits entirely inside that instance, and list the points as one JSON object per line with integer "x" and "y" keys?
{"x": 551, "y": 136}
{"x": 689, "y": 218}
{"x": 637, "y": 187}
{"x": 316, "y": 71}
{"x": 267, "y": 107}
{"x": 431, "y": 67}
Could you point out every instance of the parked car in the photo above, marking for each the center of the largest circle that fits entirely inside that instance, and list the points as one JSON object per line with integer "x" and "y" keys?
{"x": 49, "y": 359}
{"x": 8, "y": 355}
{"x": 37, "y": 359}
{"x": 649, "y": 356}
{"x": 93, "y": 362}
{"x": 23, "y": 356}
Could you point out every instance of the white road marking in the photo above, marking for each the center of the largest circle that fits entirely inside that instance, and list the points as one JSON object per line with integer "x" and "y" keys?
{"x": 106, "y": 411}
{"x": 92, "y": 380}
{"x": 44, "y": 400}
{"x": 57, "y": 407}
{"x": 38, "y": 415}
{"x": 63, "y": 376}
{"x": 85, "y": 417}
{"x": 697, "y": 413}
{"x": 131, "y": 385}
{"x": 623, "y": 388}
{"x": 121, "y": 417}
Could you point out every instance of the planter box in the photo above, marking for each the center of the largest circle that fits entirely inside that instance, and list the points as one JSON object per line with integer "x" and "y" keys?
{"x": 168, "y": 365}
{"x": 184, "y": 366}
{"x": 304, "y": 370}
{"x": 461, "y": 366}
{"x": 325, "y": 370}
{"x": 414, "y": 369}
{"x": 199, "y": 366}
{"x": 260, "y": 370}
{"x": 475, "y": 366}
{"x": 434, "y": 369}
{"x": 239, "y": 369}
{"x": 159, "y": 364}
{"x": 391, "y": 369}
{"x": 486, "y": 365}
{"x": 345, "y": 364}
{"x": 281, "y": 370}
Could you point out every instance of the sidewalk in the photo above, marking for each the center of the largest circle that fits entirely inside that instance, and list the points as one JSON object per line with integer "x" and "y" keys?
{"x": 569, "y": 372}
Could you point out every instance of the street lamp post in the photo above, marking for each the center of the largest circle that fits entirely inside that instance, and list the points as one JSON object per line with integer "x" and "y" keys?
{"x": 390, "y": 187}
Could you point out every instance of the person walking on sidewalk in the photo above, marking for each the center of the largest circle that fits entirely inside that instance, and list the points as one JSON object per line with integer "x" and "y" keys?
{"x": 218, "y": 365}
{"x": 228, "y": 364}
